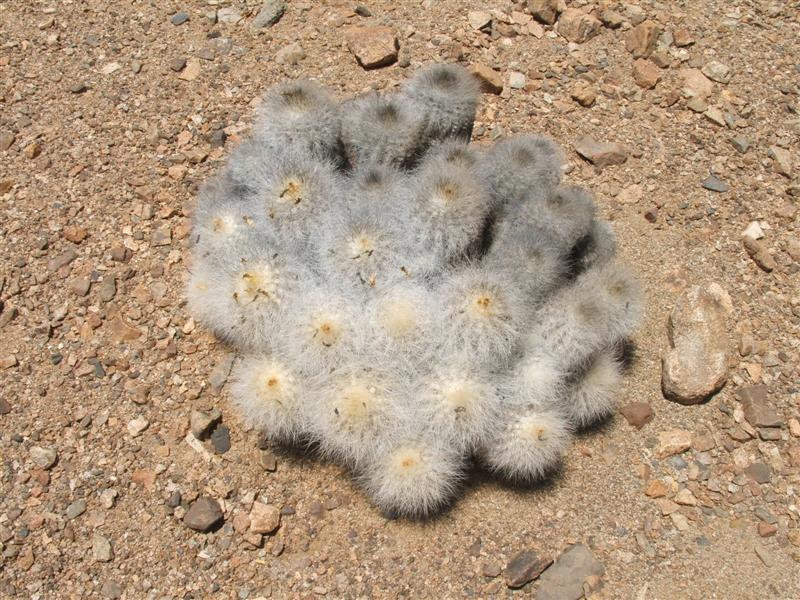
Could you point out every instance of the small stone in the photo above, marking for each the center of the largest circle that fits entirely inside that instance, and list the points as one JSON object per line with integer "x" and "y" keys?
{"x": 270, "y": 13}
{"x": 601, "y": 154}
{"x": 656, "y": 489}
{"x": 120, "y": 331}
{"x": 682, "y": 38}
{"x": 766, "y": 530}
{"x": 544, "y": 11}
{"x": 781, "y": 160}
{"x": 715, "y": 115}
{"x": 516, "y": 80}
{"x": 612, "y": 19}
{"x": 33, "y": 150}
{"x": 5, "y": 407}
{"x": 74, "y": 233}
{"x": 203, "y": 515}
{"x": 564, "y": 580}
{"x": 79, "y": 286}
{"x": 717, "y": 71}
{"x": 177, "y": 64}
{"x": 291, "y": 54}
{"x": 373, "y": 47}
{"x": 221, "y": 439}
{"x": 362, "y": 11}
{"x": 674, "y": 441}
{"x": 202, "y": 423}
{"x": 764, "y": 555}
{"x": 107, "y": 498}
{"x": 577, "y": 26}
{"x": 179, "y": 18}
{"x": 220, "y": 372}
{"x": 584, "y": 94}
{"x": 685, "y": 497}
{"x": 111, "y": 590}
{"x": 191, "y": 72}
{"x": 695, "y": 367}
{"x": 44, "y": 457}
{"x": 6, "y": 139}
{"x": 697, "y": 104}
{"x": 794, "y": 426}
{"x": 524, "y": 568}
{"x": 6, "y": 362}
{"x": 76, "y": 509}
{"x": 637, "y": 414}
{"x": 228, "y": 15}
{"x": 491, "y": 570}
{"x": 641, "y": 40}
{"x": 491, "y": 81}
{"x": 695, "y": 84}
{"x": 264, "y": 518}
{"x": 645, "y": 73}
{"x": 101, "y": 549}
{"x": 651, "y": 214}
{"x": 108, "y": 288}
{"x": 78, "y": 88}
{"x": 479, "y": 19}
{"x": 759, "y": 472}
{"x": 754, "y": 231}
{"x": 759, "y": 253}
{"x": 267, "y": 460}
{"x": 137, "y": 426}
{"x": 631, "y": 194}
{"x": 756, "y": 407}
{"x": 715, "y": 184}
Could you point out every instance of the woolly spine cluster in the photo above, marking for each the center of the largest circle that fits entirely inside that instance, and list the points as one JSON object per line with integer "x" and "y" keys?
{"x": 407, "y": 302}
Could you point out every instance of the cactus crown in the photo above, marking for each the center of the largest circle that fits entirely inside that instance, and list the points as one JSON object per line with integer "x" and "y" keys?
{"x": 405, "y": 300}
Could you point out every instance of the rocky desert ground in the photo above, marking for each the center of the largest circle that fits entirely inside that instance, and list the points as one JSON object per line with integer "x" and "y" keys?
{"x": 125, "y": 472}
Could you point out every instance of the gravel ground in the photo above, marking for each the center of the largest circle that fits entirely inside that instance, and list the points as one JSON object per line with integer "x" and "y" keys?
{"x": 112, "y": 114}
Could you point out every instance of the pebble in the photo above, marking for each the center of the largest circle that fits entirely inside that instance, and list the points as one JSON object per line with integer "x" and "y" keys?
{"x": 76, "y": 509}
{"x": 101, "y": 549}
{"x": 373, "y": 47}
{"x": 491, "y": 81}
{"x": 656, "y": 489}
{"x": 6, "y": 139}
{"x": 766, "y": 530}
{"x": 202, "y": 423}
{"x": 759, "y": 472}
{"x": 290, "y": 55}
{"x": 577, "y": 26}
{"x": 682, "y": 38}
{"x": 111, "y": 589}
{"x": 108, "y": 288}
{"x": 717, "y": 71}
{"x": 696, "y": 365}
{"x": 756, "y": 407}
{"x": 78, "y": 88}
{"x": 5, "y": 407}
{"x": 641, "y": 40}
{"x": 270, "y": 13}
{"x": 645, "y": 73}
{"x": 191, "y": 72}
{"x": 479, "y": 19}
{"x": 544, "y": 11}
{"x": 695, "y": 84}
{"x": 264, "y": 518}
{"x": 524, "y": 567}
{"x": 601, "y": 154}
{"x": 177, "y": 64}
{"x": 715, "y": 115}
{"x": 684, "y": 497}
{"x": 715, "y": 184}
{"x": 781, "y": 161}
{"x": 33, "y": 150}
{"x": 221, "y": 439}
{"x": 203, "y": 515}
{"x": 764, "y": 555}
{"x": 759, "y": 253}
{"x": 564, "y": 580}
{"x": 74, "y": 233}
{"x": 267, "y": 460}
{"x": 44, "y": 457}
{"x": 179, "y": 18}
{"x": 516, "y": 80}
{"x": 107, "y": 498}
{"x": 584, "y": 94}
{"x": 612, "y": 19}
{"x": 637, "y": 414}
{"x": 137, "y": 426}
{"x": 228, "y": 15}
{"x": 674, "y": 441}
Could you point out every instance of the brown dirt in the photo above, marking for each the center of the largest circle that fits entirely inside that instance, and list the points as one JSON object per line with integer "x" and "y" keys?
{"x": 123, "y": 159}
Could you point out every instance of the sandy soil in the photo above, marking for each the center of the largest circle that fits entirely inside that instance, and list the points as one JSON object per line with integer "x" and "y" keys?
{"x": 106, "y": 139}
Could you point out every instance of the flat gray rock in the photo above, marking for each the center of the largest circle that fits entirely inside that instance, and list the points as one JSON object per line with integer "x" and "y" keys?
{"x": 564, "y": 580}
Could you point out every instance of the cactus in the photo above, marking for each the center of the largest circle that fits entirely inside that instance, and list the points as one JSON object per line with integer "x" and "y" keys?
{"x": 404, "y": 301}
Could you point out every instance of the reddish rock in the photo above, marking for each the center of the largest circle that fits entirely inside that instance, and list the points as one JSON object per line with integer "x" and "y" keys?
{"x": 646, "y": 73}
{"x": 641, "y": 40}
{"x": 578, "y": 26}
{"x": 637, "y": 414}
{"x": 544, "y": 11}
{"x": 373, "y": 47}
{"x": 490, "y": 80}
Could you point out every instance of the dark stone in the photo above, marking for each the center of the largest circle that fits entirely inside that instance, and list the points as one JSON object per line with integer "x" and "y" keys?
{"x": 715, "y": 184}
{"x": 759, "y": 472}
{"x": 524, "y": 568}
{"x": 203, "y": 515}
{"x": 221, "y": 439}
{"x": 177, "y": 64}
{"x": 179, "y": 18}
{"x": 362, "y": 11}
{"x": 757, "y": 410}
{"x": 5, "y": 407}
{"x": 174, "y": 500}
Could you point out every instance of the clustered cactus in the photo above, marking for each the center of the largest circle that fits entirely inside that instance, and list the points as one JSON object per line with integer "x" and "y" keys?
{"x": 404, "y": 301}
